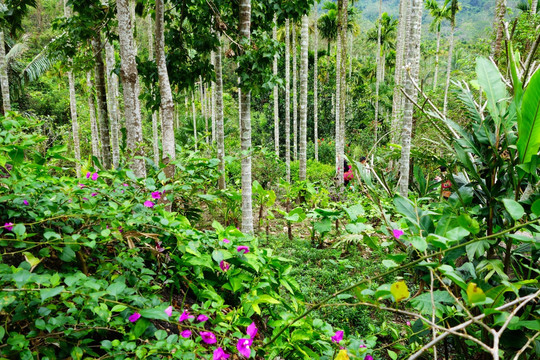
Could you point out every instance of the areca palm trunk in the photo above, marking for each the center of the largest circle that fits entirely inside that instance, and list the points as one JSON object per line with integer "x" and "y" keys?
{"x": 315, "y": 87}
{"x": 287, "y": 101}
{"x": 449, "y": 66}
{"x": 4, "y": 80}
{"x": 130, "y": 82}
{"x": 220, "y": 136}
{"x": 247, "y": 209}
{"x": 103, "y": 115}
{"x": 112, "y": 102}
{"x": 194, "y": 114}
{"x": 500, "y": 12}
{"x": 412, "y": 63}
{"x": 213, "y": 92}
{"x": 303, "y": 96}
{"x": 276, "y": 93}
{"x": 92, "y": 112}
{"x": 378, "y": 76}
{"x": 534, "y": 6}
{"x": 337, "y": 113}
{"x": 343, "y": 82}
{"x": 167, "y": 104}
{"x": 437, "y": 57}
{"x": 294, "y": 94}
{"x": 398, "y": 72}
{"x": 155, "y": 131}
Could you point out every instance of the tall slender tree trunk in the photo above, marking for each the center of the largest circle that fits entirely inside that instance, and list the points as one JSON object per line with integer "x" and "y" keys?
{"x": 155, "y": 131}
{"x": 294, "y": 93}
{"x": 435, "y": 76}
{"x": 303, "y": 96}
{"x": 276, "y": 93}
{"x": 337, "y": 105}
{"x": 247, "y": 209}
{"x": 92, "y": 111}
{"x": 214, "y": 55}
{"x": 72, "y": 105}
{"x": 287, "y": 100}
{"x": 316, "y": 86}
{"x": 112, "y": 102}
{"x": 449, "y": 67}
{"x": 194, "y": 114}
{"x": 130, "y": 82}
{"x": 4, "y": 80}
{"x": 378, "y": 77}
{"x": 500, "y": 12}
{"x": 412, "y": 63}
{"x": 103, "y": 115}
{"x": 343, "y": 82}
{"x": 220, "y": 136}
{"x": 167, "y": 104}
{"x": 398, "y": 72}
{"x": 534, "y": 7}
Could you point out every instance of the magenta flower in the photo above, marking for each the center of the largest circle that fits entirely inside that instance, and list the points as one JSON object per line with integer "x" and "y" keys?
{"x": 208, "y": 337}
{"x": 124, "y": 184}
{"x": 9, "y": 226}
{"x": 168, "y": 311}
{"x": 243, "y": 249}
{"x": 224, "y": 266}
{"x": 88, "y": 174}
{"x": 243, "y": 346}
{"x": 120, "y": 229}
{"x": 81, "y": 185}
{"x": 134, "y": 317}
{"x": 185, "y": 315}
{"x": 397, "y": 233}
{"x": 202, "y": 318}
{"x": 185, "y": 333}
{"x": 25, "y": 202}
{"x": 226, "y": 241}
{"x": 362, "y": 346}
{"x": 252, "y": 330}
{"x": 148, "y": 204}
{"x": 368, "y": 357}
{"x": 94, "y": 176}
{"x": 156, "y": 195}
{"x": 219, "y": 354}
{"x": 93, "y": 194}
{"x": 338, "y": 336}
{"x": 85, "y": 199}
{"x": 408, "y": 323}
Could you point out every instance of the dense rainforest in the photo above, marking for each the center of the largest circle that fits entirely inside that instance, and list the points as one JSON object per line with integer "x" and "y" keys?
{"x": 269, "y": 179}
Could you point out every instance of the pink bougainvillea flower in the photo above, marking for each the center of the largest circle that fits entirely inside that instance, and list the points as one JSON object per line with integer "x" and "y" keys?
{"x": 156, "y": 195}
{"x": 338, "y": 336}
{"x": 136, "y": 316}
{"x": 243, "y": 249}
{"x": 202, "y": 318}
{"x": 168, "y": 311}
{"x": 93, "y": 194}
{"x": 9, "y": 226}
{"x": 85, "y": 198}
{"x": 185, "y": 315}
{"x": 362, "y": 346}
{"x": 368, "y": 357}
{"x": 124, "y": 184}
{"x": 88, "y": 174}
{"x": 95, "y": 176}
{"x": 243, "y": 346}
{"x": 219, "y": 354}
{"x": 149, "y": 204}
{"x": 81, "y": 185}
{"x": 185, "y": 333}
{"x": 25, "y": 202}
{"x": 224, "y": 266}
{"x": 208, "y": 337}
{"x": 397, "y": 233}
{"x": 252, "y": 330}
{"x": 226, "y": 241}
{"x": 408, "y": 323}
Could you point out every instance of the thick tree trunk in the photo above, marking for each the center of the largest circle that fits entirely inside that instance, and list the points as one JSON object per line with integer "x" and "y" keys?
{"x": 316, "y": 86}
{"x": 294, "y": 93}
{"x": 276, "y": 93}
{"x": 287, "y": 101}
{"x": 534, "y": 7}
{"x": 155, "y": 131}
{"x": 130, "y": 82}
{"x": 437, "y": 59}
{"x": 247, "y": 208}
{"x": 4, "y": 80}
{"x": 412, "y": 63}
{"x": 103, "y": 115}
{"x": 500, "y": 12}
{"x": 112, "y": 102}
{"x": 92, "y": 111}
{"x": 398, "y": 72}
{"x": 303, "y": 97}
{"x": 449, "y": 68}
{"x": 220, "y": 136}
{"x": 167, "y": 104}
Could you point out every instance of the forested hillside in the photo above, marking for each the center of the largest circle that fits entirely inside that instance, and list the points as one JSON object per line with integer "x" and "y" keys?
{"x": 269, "y": 179}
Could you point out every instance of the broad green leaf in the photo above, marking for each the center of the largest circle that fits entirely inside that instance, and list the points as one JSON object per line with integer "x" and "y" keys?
{"x": 323, "y": 226}
{"x": 529, "y": 126}
{"x": 450, "y": 273}
{"x": 418, "y": 242}
{"x": 48, "y": 293}
{"x": 389, "y": 264}
{"x": 140, "y": 327}
{"x": 477, "y": 249}
{"x": 399, "y": 291}
{"x": 392, "y": 355}
{"x": 422, "y": 302}
{"x": 469, "y": 223}
{"x": 514, "y": 208}
{"x": 535, "y": 208}
{"x": 116, "y": 288}
{"x": 354, "y": 212}
{"x": 19, "y": 230}
{"x": 475, "y": 294}
{"x": 31, "y": 259}
{"x": 489, "y": 78}
{"x": 157, "y": 314}
{"x": 405, "y": 207}
{"x": 118, "y": 308}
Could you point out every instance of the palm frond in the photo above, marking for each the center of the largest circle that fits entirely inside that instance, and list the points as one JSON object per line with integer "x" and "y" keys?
{"x": 39, "y": 65}
{"x": 16, "y": 51}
